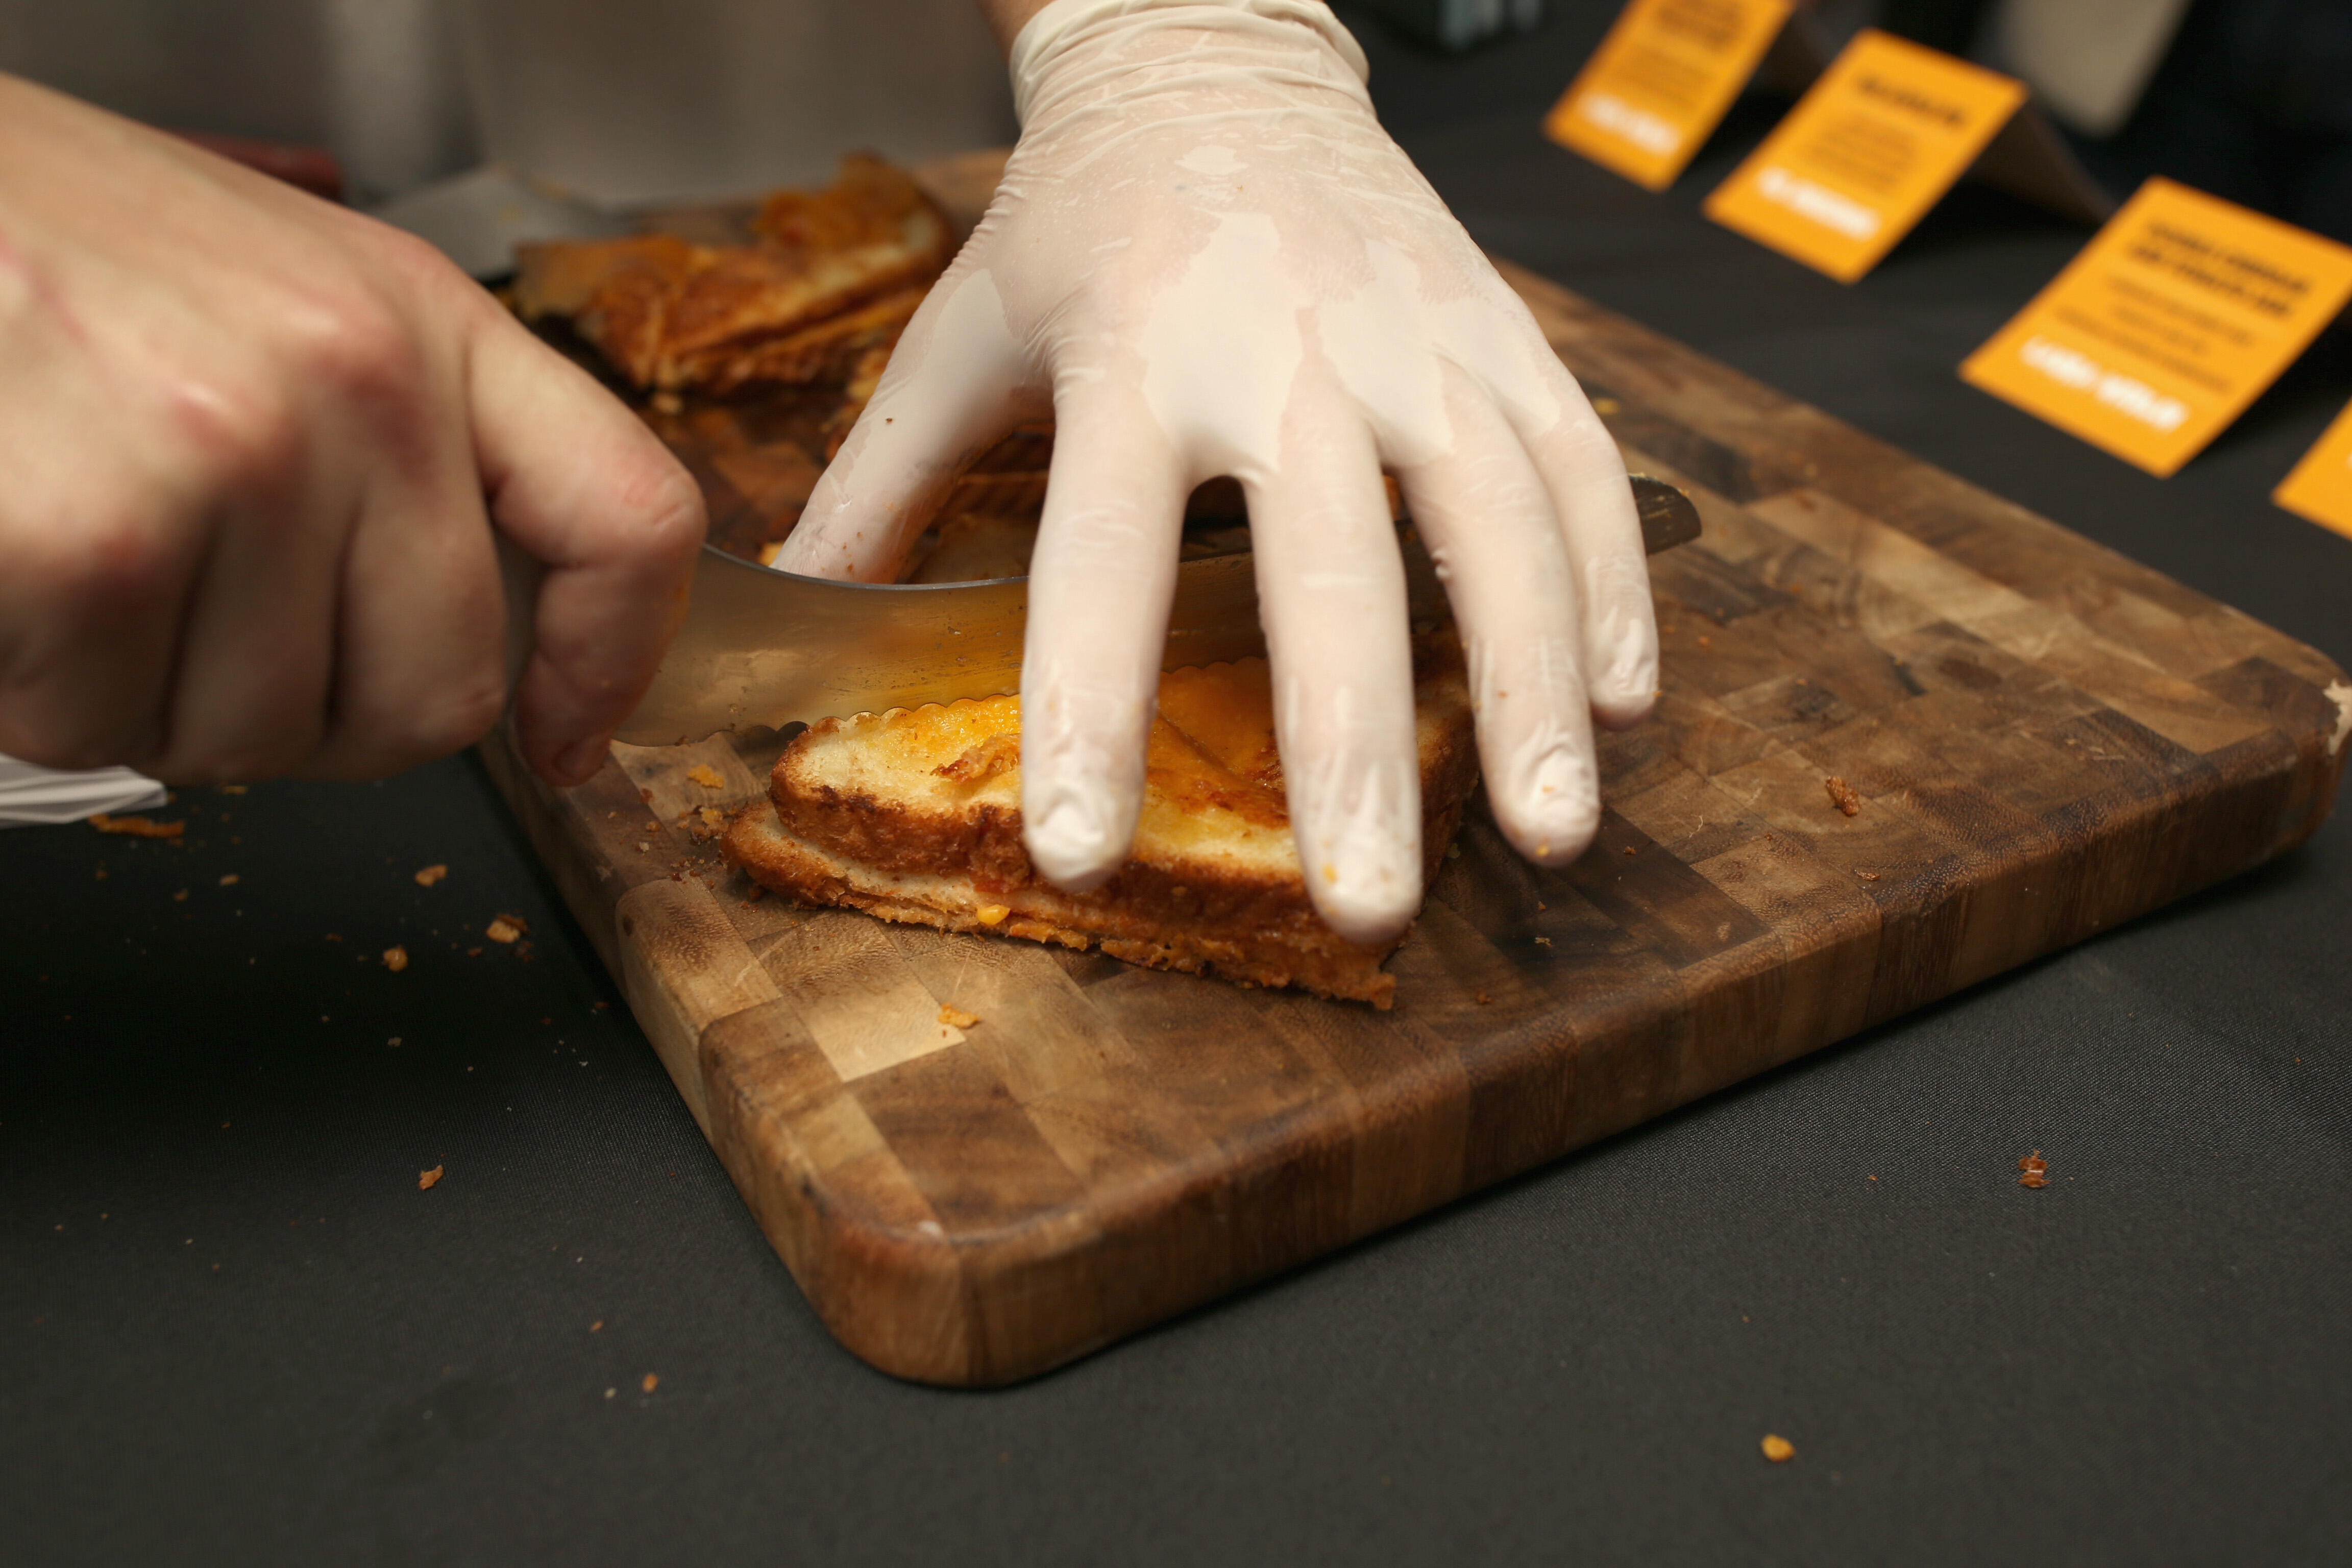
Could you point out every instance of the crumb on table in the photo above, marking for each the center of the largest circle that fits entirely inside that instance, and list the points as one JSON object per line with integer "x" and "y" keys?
{"x": 137, "y": 826}
{"x": 1777, "y": 1448}
{"x": 507, "y": 927}
{"x": 427, "y": 1180}
{"x": 2036, "y": 1171}
{"x": 395, "y": 959}
{"x": 430, "y": 875}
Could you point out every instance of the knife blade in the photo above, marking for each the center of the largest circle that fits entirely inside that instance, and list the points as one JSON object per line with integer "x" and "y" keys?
{"x": 761, "y": 646}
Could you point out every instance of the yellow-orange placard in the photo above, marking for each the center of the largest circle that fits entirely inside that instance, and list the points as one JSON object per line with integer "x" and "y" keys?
{"x": 1661, "y": 81}
{"x": 1866, "y": 152}
{"x": 2171, "y": 320}
{"x": 2321, "y": 486}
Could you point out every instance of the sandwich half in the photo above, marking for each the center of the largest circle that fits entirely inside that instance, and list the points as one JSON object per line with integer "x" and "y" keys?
{"x": 915, "y": 815}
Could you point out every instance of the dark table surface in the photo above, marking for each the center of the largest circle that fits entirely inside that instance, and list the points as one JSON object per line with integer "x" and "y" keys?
{"x": 233, "y": 1329}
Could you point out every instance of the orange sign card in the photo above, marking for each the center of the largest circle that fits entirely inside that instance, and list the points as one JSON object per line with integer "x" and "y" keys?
{"x": 1866, "y": 152}
{"x": 1661, "y": 79}
{"x": 2321, "y": 486}
{"x": 2173, "y": 320}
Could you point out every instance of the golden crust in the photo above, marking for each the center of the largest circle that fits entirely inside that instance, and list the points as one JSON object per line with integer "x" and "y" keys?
{"x": 914, "y": 815}
{"x": 832, "y": 274}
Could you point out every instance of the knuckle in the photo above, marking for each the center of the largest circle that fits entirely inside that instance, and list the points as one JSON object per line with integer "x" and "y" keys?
{"x": 458, "y": 716}
{"x": 102, "y": 567}
{"x": 357, "y": 344}
{"x": 238, "y": 431}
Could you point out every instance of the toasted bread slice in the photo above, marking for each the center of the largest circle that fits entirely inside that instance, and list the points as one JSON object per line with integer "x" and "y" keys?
{"x": 830, "y": 275}
{"x": 915, "y": 815}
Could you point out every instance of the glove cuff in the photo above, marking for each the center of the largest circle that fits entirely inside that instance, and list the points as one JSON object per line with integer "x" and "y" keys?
{"x": 1052, "y": 30}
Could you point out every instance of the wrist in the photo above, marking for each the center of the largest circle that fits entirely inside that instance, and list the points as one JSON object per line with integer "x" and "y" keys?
{"x": 1056, "y": 28}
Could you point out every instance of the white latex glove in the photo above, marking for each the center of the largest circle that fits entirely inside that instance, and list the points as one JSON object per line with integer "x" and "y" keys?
{"x": 1207, "y": 258}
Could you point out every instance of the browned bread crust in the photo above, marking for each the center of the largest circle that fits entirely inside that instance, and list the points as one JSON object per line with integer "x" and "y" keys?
{"x": 914, "y": 815}
{"x": 830, "y": 275}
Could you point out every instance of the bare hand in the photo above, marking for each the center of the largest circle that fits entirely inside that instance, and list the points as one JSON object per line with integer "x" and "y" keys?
{"x": 257, "y": 447}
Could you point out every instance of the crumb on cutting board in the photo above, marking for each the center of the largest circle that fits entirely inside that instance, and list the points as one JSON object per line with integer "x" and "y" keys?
{"x": 705, "y": 775}
{"x": 955, "y": 1017}
{"x": 1842, "y": 796}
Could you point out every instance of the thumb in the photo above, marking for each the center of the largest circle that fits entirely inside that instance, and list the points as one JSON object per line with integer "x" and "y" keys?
{"x": 583, "y": 487}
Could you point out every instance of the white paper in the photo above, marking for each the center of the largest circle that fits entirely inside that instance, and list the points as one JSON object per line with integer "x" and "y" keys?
{"x": 31, "y": 795}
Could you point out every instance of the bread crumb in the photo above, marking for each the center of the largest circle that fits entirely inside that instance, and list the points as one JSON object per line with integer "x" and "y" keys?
{"x": 428, "y": 1180}
{"x": 1777, "y": 1448}
{"x": 137, "y": 826}
{"x": 180, "y": 897}
{"x": 955, "y": 1017}
{"x": 395, "y": 959}
{"x": 229, "y": 881}
{"x": 1482, "y": 998}
{"x": 991, "y": 914}
{"x": 1841, "y": 795}
{"x": 650, "y": 1383}
{"x": 507, "y": 927}
{"x": 430, "y": 875}
{"x": 644, "y": 848}
{"x": 705, "y": 775}
{"x": 1543, "y": 942}
{"x": 1867, "y": 876}
{"x": 2034, "y": 1166}
{"x": 713, "y": 818}
{"x": 596, "y": 1326}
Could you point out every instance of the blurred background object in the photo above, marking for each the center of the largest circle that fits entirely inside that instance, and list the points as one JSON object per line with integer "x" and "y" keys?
{"x": 1458, "y": 24}
{"x": 397, "y": 110}
{"x": 635, "y": 101}
{"x": 627, "y": 102}
{"x": 618, "y": 101}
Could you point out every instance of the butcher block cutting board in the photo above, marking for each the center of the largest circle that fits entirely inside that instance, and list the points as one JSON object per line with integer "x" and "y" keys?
{"x": 2044, "y": 738}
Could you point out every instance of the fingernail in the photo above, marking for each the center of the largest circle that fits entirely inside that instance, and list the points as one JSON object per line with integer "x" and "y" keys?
{"x": 1365, "y": 879}
{"x": 579, "y": 762}
{"x": 1559, "y": 807}
{"x": 1070, "y": 842}
{"x": 1631, "y": 672}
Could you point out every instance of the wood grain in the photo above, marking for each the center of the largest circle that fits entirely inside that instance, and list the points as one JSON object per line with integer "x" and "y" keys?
{"x": 2047, "y": 739}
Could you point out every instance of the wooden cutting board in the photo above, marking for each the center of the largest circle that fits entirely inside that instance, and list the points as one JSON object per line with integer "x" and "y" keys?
{"x": 2046, "y": 739}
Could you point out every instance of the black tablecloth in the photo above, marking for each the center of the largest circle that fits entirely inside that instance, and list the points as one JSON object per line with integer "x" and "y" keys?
{"x": 234, "y": 1329}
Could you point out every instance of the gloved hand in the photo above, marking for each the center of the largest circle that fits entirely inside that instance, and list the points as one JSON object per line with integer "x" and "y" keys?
{"x": 255, "y": 446}
{"x": 1206, "y": 259}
